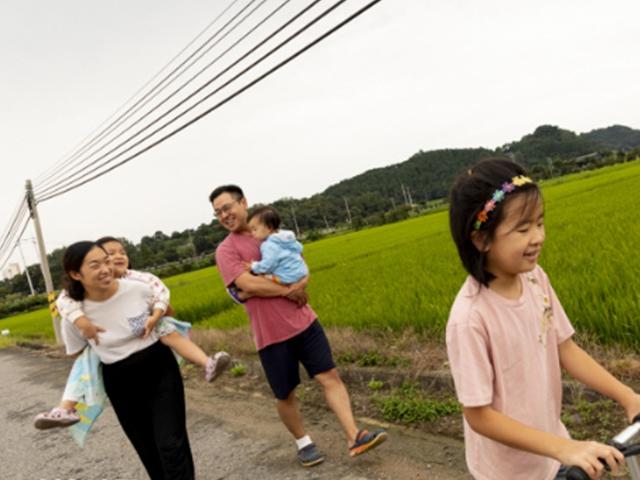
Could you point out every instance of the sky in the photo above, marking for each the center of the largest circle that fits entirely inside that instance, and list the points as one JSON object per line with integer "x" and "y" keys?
{"x": 407, "y": 75}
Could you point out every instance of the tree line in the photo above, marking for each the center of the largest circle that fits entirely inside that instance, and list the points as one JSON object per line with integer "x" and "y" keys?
{"x": 375, "y": 197}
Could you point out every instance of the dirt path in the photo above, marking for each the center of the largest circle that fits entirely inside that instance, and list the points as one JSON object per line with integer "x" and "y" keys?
{"x": 235, "y": 434}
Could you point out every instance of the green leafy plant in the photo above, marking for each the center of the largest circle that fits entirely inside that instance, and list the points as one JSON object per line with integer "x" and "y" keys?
{"x": 375, "y": 384}
{"x": 238, "y": 370}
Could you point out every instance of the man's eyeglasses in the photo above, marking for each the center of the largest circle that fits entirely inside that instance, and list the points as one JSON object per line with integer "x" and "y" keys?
{"x": 223, "y": 209}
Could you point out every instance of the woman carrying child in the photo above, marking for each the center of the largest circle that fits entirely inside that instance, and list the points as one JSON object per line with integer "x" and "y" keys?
{"x": 166, "y": 328}
{"x": 141, "y": 376}
{"x": 508, "y": 337}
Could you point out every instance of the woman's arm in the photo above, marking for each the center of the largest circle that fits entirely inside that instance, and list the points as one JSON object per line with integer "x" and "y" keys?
{"x": 581, "y": 366}
{"x": 490, "y": 423}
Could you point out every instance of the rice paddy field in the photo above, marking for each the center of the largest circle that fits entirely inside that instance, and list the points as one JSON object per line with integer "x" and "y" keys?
{"x": 407, "y": 274}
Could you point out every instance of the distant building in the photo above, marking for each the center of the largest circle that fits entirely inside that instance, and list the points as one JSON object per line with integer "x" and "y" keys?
{"x": 11, "y": 271}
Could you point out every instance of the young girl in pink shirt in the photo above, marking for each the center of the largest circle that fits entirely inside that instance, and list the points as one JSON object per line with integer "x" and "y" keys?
{"x": 508, "y": 337}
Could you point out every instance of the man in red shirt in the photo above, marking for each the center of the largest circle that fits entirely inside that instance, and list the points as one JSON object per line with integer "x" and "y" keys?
{"x": 286, "y": 331}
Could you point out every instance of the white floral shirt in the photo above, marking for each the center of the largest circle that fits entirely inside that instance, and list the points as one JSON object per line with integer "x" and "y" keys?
{"x": 71, "y": 309}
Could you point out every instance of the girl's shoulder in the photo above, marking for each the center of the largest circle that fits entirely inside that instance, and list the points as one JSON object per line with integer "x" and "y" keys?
{"x": 467, "y": 304}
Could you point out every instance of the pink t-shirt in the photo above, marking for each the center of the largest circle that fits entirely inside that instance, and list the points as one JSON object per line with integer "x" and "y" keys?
{"x": 273, "y": 319}
{"x": 504, "y": 353}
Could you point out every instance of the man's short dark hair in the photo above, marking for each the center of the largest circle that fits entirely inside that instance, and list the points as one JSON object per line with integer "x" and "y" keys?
{"x": 234, "y": 190}
{"x": 268, "y": 216}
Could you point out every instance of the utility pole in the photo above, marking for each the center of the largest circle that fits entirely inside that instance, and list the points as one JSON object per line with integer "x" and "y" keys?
{"x": 295, "y": 221}
{"x": 44, "y": 263}
{"x": 26, "y": 269}
{"x": 193, "y": 245}
{"x": 550, "y": 166}
{"x": 404, "y": 194}
{"x": 409, "y": 196}
{"x": 346, "y": 204}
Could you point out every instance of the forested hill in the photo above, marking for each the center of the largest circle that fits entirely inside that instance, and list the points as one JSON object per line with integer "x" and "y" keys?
{"x": 616, "y": 137}
{"x": 548, "y": 151}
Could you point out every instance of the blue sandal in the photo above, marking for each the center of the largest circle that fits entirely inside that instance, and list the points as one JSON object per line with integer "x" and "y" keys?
{"x": 366, "y": 440}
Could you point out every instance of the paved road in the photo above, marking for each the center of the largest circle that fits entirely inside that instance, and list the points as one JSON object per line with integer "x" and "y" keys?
{"x": 234, "y": 435}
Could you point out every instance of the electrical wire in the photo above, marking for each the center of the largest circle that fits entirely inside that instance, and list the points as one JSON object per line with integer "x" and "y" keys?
{"x": 21, "y": 203}
{"x": 15, "y": 245}
{"x": 230, "y": 97}
{"x": 10, "y": 230}
{"x": 43, "y": 190}
{"x": 47, "y": 194}
{"x": 82, "y": 148}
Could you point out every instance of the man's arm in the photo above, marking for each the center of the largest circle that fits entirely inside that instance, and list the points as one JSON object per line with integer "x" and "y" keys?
{"x": 261, "y": 287}
{"x": 298, "y": 289}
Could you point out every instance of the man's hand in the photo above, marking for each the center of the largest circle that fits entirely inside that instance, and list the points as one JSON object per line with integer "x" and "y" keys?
{"x": 297, "y": 294}
{"x": 247, "y": 266}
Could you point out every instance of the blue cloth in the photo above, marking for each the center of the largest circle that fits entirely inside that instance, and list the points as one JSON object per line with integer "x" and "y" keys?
{"x": 85, "y": 384}
{"x": 281, "y": 256}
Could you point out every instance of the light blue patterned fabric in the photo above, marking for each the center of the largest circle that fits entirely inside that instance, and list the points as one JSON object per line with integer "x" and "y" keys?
{"x": 85, "y": 384}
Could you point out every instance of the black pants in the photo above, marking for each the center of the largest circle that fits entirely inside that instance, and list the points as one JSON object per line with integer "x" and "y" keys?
{"x": 147, "y": 395}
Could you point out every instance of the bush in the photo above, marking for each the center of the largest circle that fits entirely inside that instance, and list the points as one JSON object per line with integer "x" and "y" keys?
{"x": 16, "y": 303}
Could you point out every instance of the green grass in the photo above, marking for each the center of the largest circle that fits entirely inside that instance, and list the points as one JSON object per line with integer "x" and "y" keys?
{"x": 408, "y": 273}
{"x": 409, "y": 404}
{"x": 28, "y": 326}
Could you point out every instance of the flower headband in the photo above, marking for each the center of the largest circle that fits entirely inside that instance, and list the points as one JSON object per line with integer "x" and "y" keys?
{"x": 497, "y": 197}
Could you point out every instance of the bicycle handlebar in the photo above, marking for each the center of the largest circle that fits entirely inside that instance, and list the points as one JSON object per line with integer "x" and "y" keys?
{"x": 619, "y": 442}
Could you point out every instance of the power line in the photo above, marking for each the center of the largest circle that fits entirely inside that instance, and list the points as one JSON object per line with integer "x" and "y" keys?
{"x": 71, "y": 185}
{"x": 11, "y": 228}
{"x": 102, "y": 133}
{"x": 15, "y": 213}
{"x": 45, "y": 190}
{"x": 230, "y": 97}
{"x": 14, "y": 245}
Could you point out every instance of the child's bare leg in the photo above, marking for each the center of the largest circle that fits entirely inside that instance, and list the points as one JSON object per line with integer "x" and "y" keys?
{"x": 185, "y": 348}
{"x": 67, "y": 404}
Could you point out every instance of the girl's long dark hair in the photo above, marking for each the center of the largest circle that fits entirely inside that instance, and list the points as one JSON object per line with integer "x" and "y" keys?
{"x": 467, "y": 198}
{"x": 72, "y": 260}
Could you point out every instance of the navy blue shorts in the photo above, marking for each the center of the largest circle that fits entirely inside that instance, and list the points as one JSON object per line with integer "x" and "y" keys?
{"x": 280, "y": 361}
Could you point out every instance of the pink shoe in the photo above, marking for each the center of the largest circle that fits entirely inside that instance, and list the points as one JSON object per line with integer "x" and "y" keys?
{"x": 57, "y": 417}
{"x": 216, "y": 365}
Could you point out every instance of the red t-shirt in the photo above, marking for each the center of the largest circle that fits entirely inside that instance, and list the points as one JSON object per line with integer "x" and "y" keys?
{"x": 273, "y": 319}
